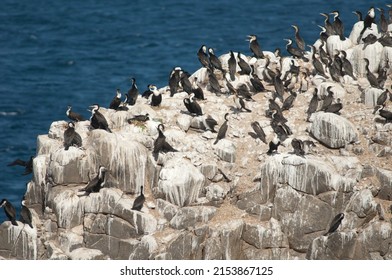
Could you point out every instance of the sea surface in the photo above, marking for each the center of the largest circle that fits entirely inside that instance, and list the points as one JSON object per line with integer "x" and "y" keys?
{"x": 59, "y": 53}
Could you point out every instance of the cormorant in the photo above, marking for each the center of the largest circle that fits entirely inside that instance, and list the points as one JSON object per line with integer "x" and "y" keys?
{"x": 295, "y": 51}
{"x": 279, "y": 87}
{"x": 298, "y": 39}
{"x": 273, "y": 145}
{"x": 387, "y": 115}
{"x": 156, "y": 96}
{"x": 338, "y": 25}
{"x": 139, "y": 118}
{"x": 9, "y": 210}
{"x": 97, "y": 120}
{"x": 327, "y": 25}
{"x": 185, "y": 83}
{"x": 327, "y": 99}
{"x": 323, "y": 34}
{"x": 370, "y": 76}
{"x": 96, "y": 184}
{"x": 383, "y": 21}
{"x": 288, "y": 102}
{"x": 232, "y": 64}
{"x": 215, "y": 61}
{"x": 116, "y": 101}
{"x": 73, "y": 116}
{"x": 222, "y": 130}
{"x": 347, "y": 66}
{"x": 259, "y": 132}
{"x": 369, "y": 40}
{"x": 28, "y": 165}
{"x": 359, "y": 15}
{"x": 133, "y": 93}
{"x": 213, "y": 82}
{"x": 255, "y": 47}
{"x": 174, "y": 80}
{"x": 25, "y": 214}
{"x": 318, "y": 66}
{"x": 203, "y": 57}
{"x": 244, "y": 66}
{"x": 335, "y": 223}
{"x": 298, "y": 147}
{"x": 194, "y": 107}
{"x": 139, "y": 201}
{"x": 367, "y": 22}
{"x": 382, "y": 98}
{"x": 160, "y": 144}
{"x": 209, "y": 123}
{"x": 240, "y": 104}
{"x": 71, "y": 137}
{"x": 198, "y": 91}
{"x": 334, "y": 108}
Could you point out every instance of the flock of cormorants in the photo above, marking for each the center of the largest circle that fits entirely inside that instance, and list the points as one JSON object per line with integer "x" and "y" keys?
{"x": 220, "y": 81}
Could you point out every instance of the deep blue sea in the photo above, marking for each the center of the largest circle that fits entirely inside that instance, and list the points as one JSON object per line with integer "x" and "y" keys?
{"x": 55, "y": 53}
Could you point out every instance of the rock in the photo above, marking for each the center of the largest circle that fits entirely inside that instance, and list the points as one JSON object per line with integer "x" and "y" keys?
{"x": 167, "y": 210}
{"x": 337, "y": 89}
{"x": 226, "y": 150}
{"x": 184, "y": 122}
{"x": 18, "y": 242}
{"x": 332, "y": 130}
{"x": 335, "y": 44}
{"x": 179, "y": 182}
{"x": 385, "y": 178}
{"x": 371, "y": 95}
{"x": 188, "y": 216}
{"x": 215, "y": 193}
{"x": 372, "y": 53}
{"x": 86, "y": 254}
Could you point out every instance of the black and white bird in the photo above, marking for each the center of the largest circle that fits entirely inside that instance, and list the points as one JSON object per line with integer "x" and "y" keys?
{"x": 174, "y": 80}
{"x": 327, "y": 99}
{"x": 273, "y": 145}
{"x": 210, "y": 123}
{"x": 335, "y": 107}
{"x": 97, "y": 120}
{"x": 139, "y": 118}
{"x": 387, "y": 115}
{"x": 240, "y": 103}
{"x": 9, "y": 210}
{"x": 203, "y": 57}
{"x": 367, "y": 22}
{"x": 192, "y": 106}
{"x": 28, "y": 165}
{"x": 25, "y": 214}
{"x": 185, "y": 83}
{"x": 116, "y": 101}
{"x": 313, "y": 104}
{"x": 156, "y": 96}
{"x": 196, "y": 90}
{"x": 370, "y": 76}
{"x": 346, "y": 64}
{"x": 337, "y": 220}
{"x": 73, "y": 115}
{"x": 244, "y": 66}
{"x": 329, "y": 30}
{"x": 223, "y": 129}
{"x": 97, "y": 183}
{"x": 160, "y": 144}
{"x": 296, "y": 52}
{"x": 298, "y": 147}
{"x": 255, "y": 47}
{"x": 139, "y": 201}
{"x": 215, "y": 61}
{"x": 338, "y": 25}
{"x": 71, "y": 137}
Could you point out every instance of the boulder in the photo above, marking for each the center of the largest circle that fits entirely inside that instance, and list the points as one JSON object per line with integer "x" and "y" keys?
{"x": 225, "y": 150}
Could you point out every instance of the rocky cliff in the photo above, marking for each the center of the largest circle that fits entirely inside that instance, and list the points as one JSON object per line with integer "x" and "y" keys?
{"x": 229, "y": 200}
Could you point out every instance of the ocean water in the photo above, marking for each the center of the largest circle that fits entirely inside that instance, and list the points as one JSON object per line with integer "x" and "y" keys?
{"x": 55, "y": 53}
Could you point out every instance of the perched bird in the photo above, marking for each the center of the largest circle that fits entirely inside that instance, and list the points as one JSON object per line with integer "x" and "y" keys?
{"x": 116, "y": 101}
{"x": 97, "y": 183}
{"x": 259, "y": 132}
{"x": 174, "y": 80}
{"x": 133, "y": 93}
{"x": 313, "y": 104}
{"x": 383, "y": 97}
{"x": 155, "y": 97}
{"x": 338, "y": 25}
{"x": 28, "y": 165}
{"x": 334, "y": 108}
{"x": 222, "y": 130}
{"x": 298, "y": 147}
{"x": 240, "y": 103}
{"x": 289, "y": 101}
{"x": 255, "y": 47}
{"x": 71, "y": 137}
{"x": 215, "y": 61}
{"x": 232, "y": 64}
{"x": 327, "y": 25}
{"x": 337, "y": 220}
{"x": 9, "y": 210}
{"x": 192, "y": 106}
{"x": 25, "y": 214}
{"x": 214, "y": 83}
{"x": 203, "y": 57}
{"x": 139, "y": 118}
{"x": 279, "y": 87}
{"x": 369, "y": 40}
{"x": 367, "y": 22}
{"x": 318, "y": 66}
{"x": 370, "y": 76}
{"x": 359, "y": 15}
{"x": 256, "y": 82}
{"x": 147, "y": 93}
{"x": 97, "y": 120}
{"x": 327, "y": 99}
{"x": 244, "y": 66}
{"x": 273, "y": 145}
{"x": 210, "y": 123}
{"x": 73, "y": 116}
{"x": 347, "y": 66}
{"x": 185, "y": 83}
{"x": 139, "y": 201}
{"x": 383, "y": 21}
{"x": 196, "y": 90}
{"x": 387, "y": 115}
{"x": 298, "y": 39}
{"x": 160, "y": 144}
{"x": 295, "y": 51}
